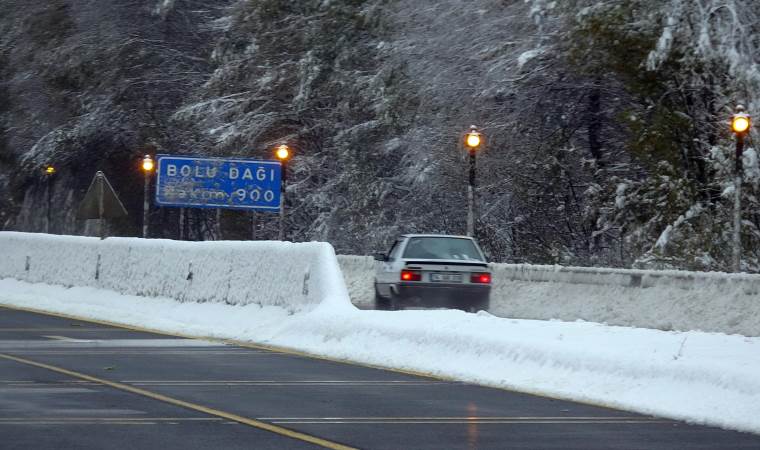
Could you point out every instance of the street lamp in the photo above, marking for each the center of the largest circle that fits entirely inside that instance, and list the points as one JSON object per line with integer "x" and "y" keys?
{"x": 283, "y": 154}
{"x": 147, "y": 167}
{"x": 473, "y": 140}
{"x": 740, "y": 125}
{"x": 50, "y": 171}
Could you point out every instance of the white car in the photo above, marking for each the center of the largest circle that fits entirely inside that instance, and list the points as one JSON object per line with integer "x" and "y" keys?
{"x": 433, "y": 270}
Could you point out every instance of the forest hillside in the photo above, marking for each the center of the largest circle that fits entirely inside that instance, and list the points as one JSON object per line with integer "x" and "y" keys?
{"x": 606, "y": 121}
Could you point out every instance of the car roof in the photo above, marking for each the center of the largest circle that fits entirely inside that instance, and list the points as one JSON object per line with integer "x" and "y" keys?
{"x": 436, "y": 235}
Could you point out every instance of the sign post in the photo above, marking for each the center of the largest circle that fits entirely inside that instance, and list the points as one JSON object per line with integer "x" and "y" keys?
{"x": 101, "y": 202}
{"x": 196, "y": 182}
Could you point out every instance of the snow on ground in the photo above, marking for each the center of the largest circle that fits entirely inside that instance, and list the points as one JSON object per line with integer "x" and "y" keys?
{"x": 699, "y": 377}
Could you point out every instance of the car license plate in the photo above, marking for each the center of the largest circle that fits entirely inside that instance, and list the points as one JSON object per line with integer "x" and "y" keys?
{"x": 446, "y": 277}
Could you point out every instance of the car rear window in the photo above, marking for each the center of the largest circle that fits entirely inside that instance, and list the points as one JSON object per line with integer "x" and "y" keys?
{"x": 442, "y": 248}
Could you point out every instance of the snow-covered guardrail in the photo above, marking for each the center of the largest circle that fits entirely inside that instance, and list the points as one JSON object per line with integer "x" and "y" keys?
{"x": 750, "y": 284}
{"x": 293, "y": 276}
{"x": 666, "y": 300}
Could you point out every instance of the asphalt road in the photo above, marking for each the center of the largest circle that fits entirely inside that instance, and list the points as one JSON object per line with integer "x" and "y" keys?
{"x": 71, "y": 384}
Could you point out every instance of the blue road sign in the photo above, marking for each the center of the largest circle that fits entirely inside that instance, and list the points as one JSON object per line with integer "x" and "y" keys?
{"x": 191, "y": 182}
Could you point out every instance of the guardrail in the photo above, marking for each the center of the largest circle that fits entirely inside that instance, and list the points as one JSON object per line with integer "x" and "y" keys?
{"x": 750, "y": 283}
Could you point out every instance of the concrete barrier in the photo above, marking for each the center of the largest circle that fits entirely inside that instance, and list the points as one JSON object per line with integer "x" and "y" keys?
{"x": 292, "y": 276}
{"x": 748, "y": 283}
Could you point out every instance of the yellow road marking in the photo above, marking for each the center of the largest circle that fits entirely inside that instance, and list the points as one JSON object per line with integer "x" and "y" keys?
{"x": 193, "y": 406}
{"x": 64, "y": 338}
{"x": 294, "y": 352}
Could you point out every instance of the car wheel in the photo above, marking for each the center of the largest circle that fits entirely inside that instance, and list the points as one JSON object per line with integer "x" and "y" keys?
{"x": 477, "y": 307}
{"x": 382, "y": 303}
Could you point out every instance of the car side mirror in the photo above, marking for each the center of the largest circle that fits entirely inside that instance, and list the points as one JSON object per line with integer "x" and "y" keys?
{"x": 380, "y": 257}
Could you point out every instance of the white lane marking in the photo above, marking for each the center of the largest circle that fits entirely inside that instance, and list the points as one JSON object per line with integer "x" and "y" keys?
{"x": 465, "y": 420}
{"x": 190, "y": 383}
{"x": 58, "y": 422}
{"x": 581, "y": 418}
{"x": 59, "y": 329}
{"x": 153, "y": 352}
{"x": 114, "y": 419}
{"x": 468, "y": 422}
{"x": 44, "y": 389}
{"x": 289, "y": 383}
{"x": 67, "y": 339}
{"x": 105, "y": 343}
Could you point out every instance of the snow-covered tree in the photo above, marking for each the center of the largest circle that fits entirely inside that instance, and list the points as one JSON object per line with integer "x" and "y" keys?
{"x": 684, "y": 65}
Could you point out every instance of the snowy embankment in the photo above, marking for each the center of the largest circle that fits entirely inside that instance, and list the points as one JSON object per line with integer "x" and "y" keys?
{"x": 663, "y": 300}
{"x": 695, "y": 376}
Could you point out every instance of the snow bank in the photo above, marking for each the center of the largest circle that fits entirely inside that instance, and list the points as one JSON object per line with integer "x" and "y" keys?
{"x": 665, "y": 300}
{"x": 693, "y": 376}
{"x": 293, "y": 276}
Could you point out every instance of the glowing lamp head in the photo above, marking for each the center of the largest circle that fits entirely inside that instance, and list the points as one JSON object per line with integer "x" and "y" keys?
{"x": 49, "y": 170}
{"x": 473, "y": 138}
{"x": 282, "y": 152}
{"x": 740, "y": 123}
{"x": 148, "y": 164}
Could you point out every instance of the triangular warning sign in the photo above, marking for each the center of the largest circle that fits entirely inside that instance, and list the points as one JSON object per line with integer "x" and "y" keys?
{"x": 101, "y": 201}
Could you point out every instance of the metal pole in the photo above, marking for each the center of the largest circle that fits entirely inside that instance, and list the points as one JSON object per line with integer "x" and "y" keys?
{"x": 253, "y": 225}
{"x": 471, "y": 197}
{"x": 219, "y": 224}
{"x": 146, "y": 205}
{"x": 282, "y": 201}
{"x": 182, "y": 224}
{"x": 49, "y": 203}
{"x": 738, "y": 173}
{"x": 101, "y": 206}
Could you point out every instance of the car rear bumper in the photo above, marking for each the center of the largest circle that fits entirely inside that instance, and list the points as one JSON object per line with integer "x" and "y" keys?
{"x": 442, "y": 295}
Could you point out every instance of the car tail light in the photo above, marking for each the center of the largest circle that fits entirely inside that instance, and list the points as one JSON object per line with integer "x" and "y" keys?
{"x": 480, "y": 278}
{"x": 410, "y": 275}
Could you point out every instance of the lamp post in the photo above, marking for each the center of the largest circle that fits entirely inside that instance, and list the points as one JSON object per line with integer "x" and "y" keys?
{"x": 283, "y": 155}
{"x": 473, "y": 140}
{"x": 740, "y": 125}
{"x": 147, "y": 166}
{"x": 49, "y": 173}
